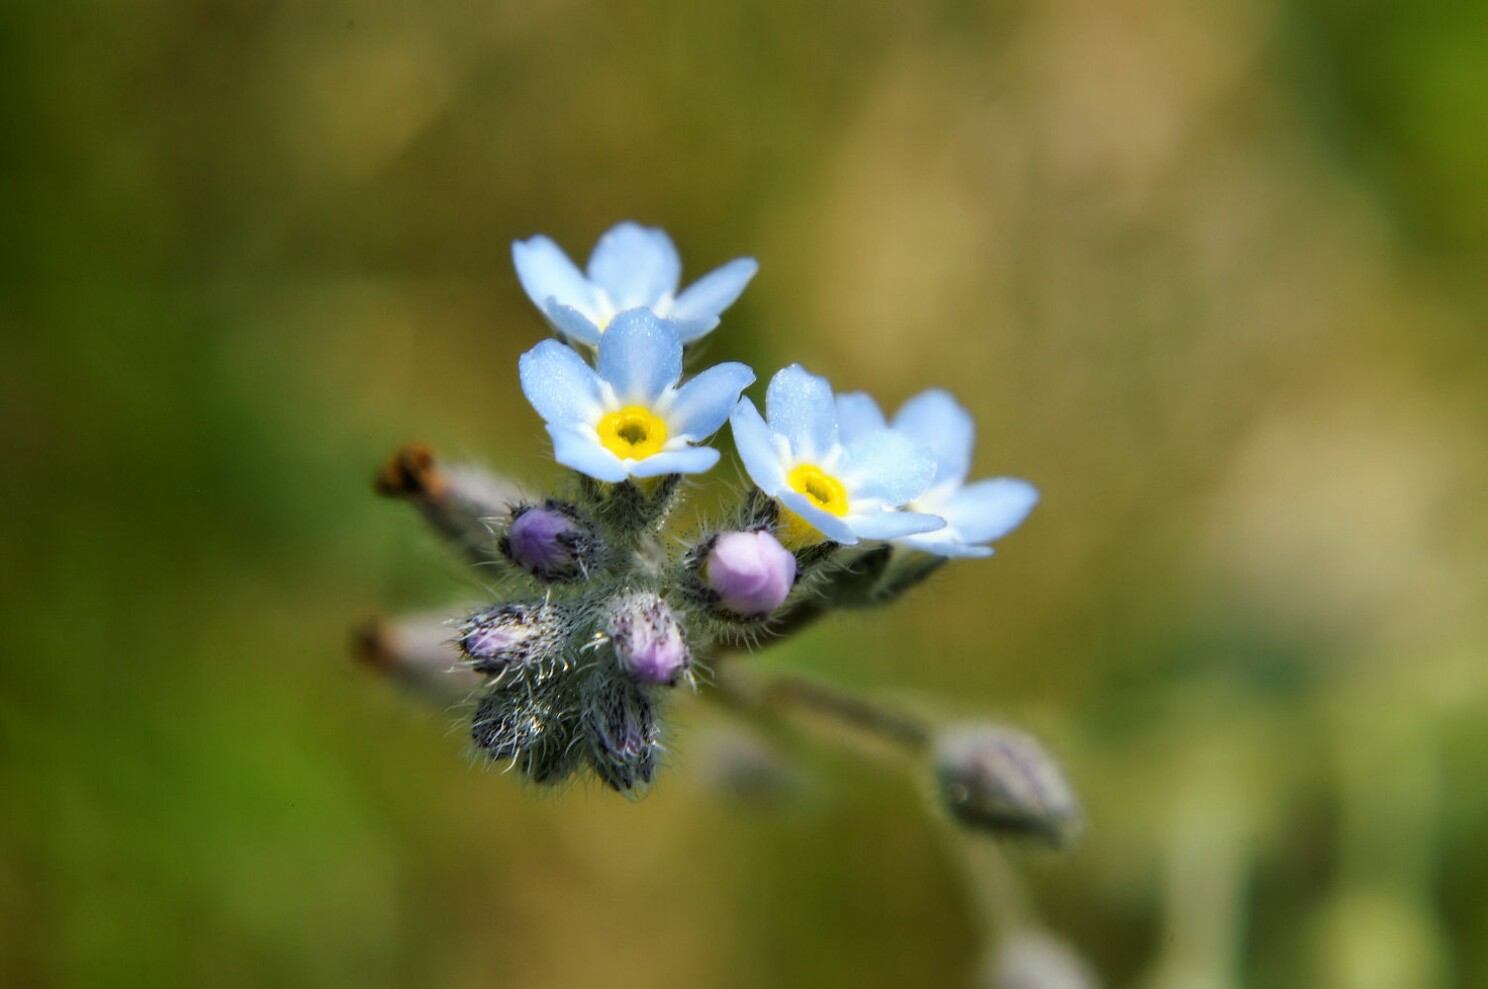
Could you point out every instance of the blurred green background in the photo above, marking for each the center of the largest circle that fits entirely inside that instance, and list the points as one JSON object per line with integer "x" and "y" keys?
{"x": 1211, "y": 275}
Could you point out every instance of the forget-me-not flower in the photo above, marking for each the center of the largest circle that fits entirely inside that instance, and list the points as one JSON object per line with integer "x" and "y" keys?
{"x": 829, "y": 487}
{"x": 976, "y": 513}
{"x": 632, "y": 267}
{"x": 629, "y": 418}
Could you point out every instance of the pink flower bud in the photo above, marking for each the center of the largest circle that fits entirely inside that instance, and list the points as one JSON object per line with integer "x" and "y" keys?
{"x": 750, "y": 572}
{"x": 648, "y": 641}
{"x": 511, "y": 635}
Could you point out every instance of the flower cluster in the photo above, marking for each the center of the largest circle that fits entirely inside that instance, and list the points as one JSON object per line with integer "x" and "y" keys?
{"x": 604, "y": 611}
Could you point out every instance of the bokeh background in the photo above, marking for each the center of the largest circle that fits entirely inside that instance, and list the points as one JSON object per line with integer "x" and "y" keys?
{"x": 1210, "y": 274}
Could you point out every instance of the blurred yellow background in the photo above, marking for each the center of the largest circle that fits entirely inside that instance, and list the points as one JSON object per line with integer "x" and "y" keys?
{"x": 1210, "y": 275}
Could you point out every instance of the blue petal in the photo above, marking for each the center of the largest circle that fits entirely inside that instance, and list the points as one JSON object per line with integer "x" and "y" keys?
{"x": 635, "y": 265}
{"x": 560, "y": 386}
{"x": 801, "y": 409}
{"x": 935, "y": 420}
{"x": 640, "y": 357}
{"x": 579, "y": 448}
{"x": 756, "y": 445}
{"x": 829, "y": 525}
{"x": 886, "y": 466}
{"x": 689, "y": 330}
{"x": 704, "y": 403}
{"x": 573, "y": 324}
{"x": 546, "y": 273}
{"x": 942, "y": 544}
{"x": 710, "y": 295}
{"x": 894, "y": 525}
{"x": 692, "y": 460}
{"x": 989, "y": 510}
{"x": 858, "y": 413}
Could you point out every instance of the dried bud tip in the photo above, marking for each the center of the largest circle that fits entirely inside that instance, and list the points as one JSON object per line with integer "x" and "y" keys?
{"x": 648, "y": 640}
{"x": 996, "y": 779}
{"x": 409, "y": 472}
{"x": 549, "y": 541}
{"x": 370, "y": 645}
{"x": 751, "y": 573}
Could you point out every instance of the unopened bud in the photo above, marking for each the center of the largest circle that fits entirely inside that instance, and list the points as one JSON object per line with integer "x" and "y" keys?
{"x": 549, "y": 541}
{"x": 621, "y": 728}
{"x": 1000, "y": 780}
{"x": 529, "y": 730}
{"x": 512, "y": 635}
{"x": 751, "y": 573}
{"x": 648, "y": 640}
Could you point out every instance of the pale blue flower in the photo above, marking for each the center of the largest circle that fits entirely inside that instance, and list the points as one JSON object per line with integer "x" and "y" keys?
{"x": 828, "y": 488}
{"x": 630, "y": 418}
{"x": 976, "y": 513}
{"x": 632, "y": 267}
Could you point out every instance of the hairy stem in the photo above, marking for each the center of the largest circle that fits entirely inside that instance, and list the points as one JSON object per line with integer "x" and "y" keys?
{"x": 739, "y": 687}
{"x": 417, "y": 653}
{"x": 463, "y": 504}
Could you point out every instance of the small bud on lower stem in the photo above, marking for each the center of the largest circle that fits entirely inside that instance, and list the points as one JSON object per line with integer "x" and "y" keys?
{"x": 1001, "y": 780}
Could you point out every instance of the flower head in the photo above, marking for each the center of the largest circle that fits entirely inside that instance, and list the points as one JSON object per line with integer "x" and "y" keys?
{"x": 975, "y": 514}
{"x": 829, "y": 489}
{"x": 629, "y": 418}
{"x": 632, "y": 267}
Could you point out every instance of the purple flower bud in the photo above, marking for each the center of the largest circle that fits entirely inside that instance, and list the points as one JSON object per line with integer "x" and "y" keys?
{"x": 750, "y": 572}
{"x": 511, "y": 635}
{"x": 647, "y": 639}
{"x": 549, "y": 541}
{"x": 996, "y": 779}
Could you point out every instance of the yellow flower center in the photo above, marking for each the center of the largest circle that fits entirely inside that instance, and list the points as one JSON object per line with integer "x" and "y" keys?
{"x": 633, "y": 433}
{"x": 824, "y": 491}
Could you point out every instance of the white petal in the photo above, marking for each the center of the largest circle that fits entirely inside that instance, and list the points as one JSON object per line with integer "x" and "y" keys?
{"x": 635, "y": 265}
{"x": 935, "y": 420}
{"x": 688, "y": 460}
{"x": 546, "y": 273}
{"x": 893, "y": 525}
{"x": 834, "y": 527}
{"x": 640, "y": 357}
{"x": 989, "y": 510}
{"x": 887, "y": 466}
{"x": 756, "y": 445}
{"x": 710, "y": 295}
{"x": 800, "y": 407}
{"x": 857, "y": 414}
{"x": 704, "y": 403}
{"x": 579, "y": 448}
{"x": 573, "y": 324}
{"x": 560, "y": 386}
